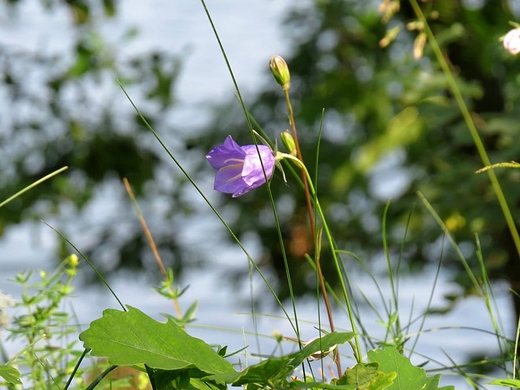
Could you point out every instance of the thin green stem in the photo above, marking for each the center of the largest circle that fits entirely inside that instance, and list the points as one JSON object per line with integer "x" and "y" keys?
{"x": 153, "y": 246}
{"x": 328, "y": 233}
{"x": 100, "y": 276}
{"x": 391, "y": 279}
{"x": 515, "y": 354}
{"x": 76, "y": 368}
{"x": 271, "y": 199}
{"x": 33, "y": 185}
{"x": 470, "y": 124}
{"x": 489, "y": 299}
{"x": 294, "y": 324}
{"x": 305, "y": 179}
{"x": 300, "y": 157}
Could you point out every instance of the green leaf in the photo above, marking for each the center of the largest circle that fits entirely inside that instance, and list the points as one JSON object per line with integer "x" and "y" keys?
{"x": 321, "y": 344}
{"x": 368, "y": 376}
{"x": 180, "y": 379}
{"x": 297, "y": 384}
{"x": 432, "y": 383}
{"x": 277, "y": 369}
{"x": 130, "y": 338}
{"x": 272, "y": 370}
{"x": 514, "y": 383}
{"x": 10, "y": 374}
{"x": 408, "y": 376}
{"x": 189, "y": 316}
{"x": 382, "y": 381}
{"x": 362, "y": 374}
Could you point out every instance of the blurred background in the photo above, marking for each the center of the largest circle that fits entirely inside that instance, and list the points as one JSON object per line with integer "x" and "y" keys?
{"x": 390, "y": 129}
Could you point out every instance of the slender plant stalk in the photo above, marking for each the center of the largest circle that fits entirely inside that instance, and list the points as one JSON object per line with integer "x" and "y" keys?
{"x": 293, "y": 324}
{"x": 473, "y": 132}
{"x": 37, "y": 182}
{"x": 392, "y": 281}
{"x": 94, "y": 384}
{"x": 305, "y": 180}
{"x": 489, "y": 298}
{"x": 76, "y": 367}
{"x": 100, "y": 276}
{"x": 153, "y": 247}
{"x": 299, "y": 154}
{"x": 515, "y": 357}
{"x": 328, "y": 233}
{"x": 470, "y": 124}
{"x": 271, "y": 199}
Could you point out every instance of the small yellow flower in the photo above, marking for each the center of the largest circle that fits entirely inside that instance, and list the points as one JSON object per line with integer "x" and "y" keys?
{"x": 455, "y": 222}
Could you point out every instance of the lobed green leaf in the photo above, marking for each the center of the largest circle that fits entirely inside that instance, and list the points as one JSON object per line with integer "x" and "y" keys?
{"x": 408, "y": 376}
{"x": 132, "y": 337}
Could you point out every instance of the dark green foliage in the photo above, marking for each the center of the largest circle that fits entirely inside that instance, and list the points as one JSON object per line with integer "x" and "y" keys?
{"x": 67, "y": 110}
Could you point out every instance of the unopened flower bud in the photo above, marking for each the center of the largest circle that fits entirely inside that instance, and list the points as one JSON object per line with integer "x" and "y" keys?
{"x": 512, "y": 41}
{"x": 289, "y": 143}
{"x": 73, "y": 260}
{"x": 280, "y": 71}
{"x": 277, "y": 336}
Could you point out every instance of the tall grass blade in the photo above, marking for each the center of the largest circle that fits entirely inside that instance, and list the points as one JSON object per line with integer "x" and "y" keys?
{"x": 37, "y": 182}
{"x": 271, "y": 199}
{"x": 470, "y": 124}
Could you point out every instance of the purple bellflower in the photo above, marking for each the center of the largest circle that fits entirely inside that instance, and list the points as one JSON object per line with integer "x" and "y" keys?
{"x": 239, "y": 169}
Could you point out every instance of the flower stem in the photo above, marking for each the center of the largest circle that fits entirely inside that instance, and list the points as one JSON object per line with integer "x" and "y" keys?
{"x": 153, "y": 247}
{"x": 457, "y": 94}
{"x": 356, "y": 347}
{"x": 300, "y": 157}
{"x": 306, "y": 179}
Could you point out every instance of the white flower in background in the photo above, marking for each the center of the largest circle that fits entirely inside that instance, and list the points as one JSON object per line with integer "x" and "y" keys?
{"x": 512, "y": 41}
{"x": 5, "y": 302}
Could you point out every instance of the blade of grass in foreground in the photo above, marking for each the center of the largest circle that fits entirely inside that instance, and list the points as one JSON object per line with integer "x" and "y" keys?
{"x": 294, "y": 325}
{"x": 480, "y": 284}
{"x": 37, "y": 182}
{"x": 208, "y": 202}
{"x": 497, "y": 189}
{"x": 101, "y": 277}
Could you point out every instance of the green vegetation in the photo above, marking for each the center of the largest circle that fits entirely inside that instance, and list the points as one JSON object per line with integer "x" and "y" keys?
{"x": 425, "y": 92}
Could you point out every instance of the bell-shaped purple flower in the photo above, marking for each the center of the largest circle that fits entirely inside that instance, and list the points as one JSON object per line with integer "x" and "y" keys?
{"x": 239, "y": 169}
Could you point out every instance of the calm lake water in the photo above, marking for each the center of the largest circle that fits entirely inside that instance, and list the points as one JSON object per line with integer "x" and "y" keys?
{"x": 251, "y": 33}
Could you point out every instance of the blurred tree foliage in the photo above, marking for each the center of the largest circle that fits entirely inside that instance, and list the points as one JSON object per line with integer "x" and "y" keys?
{"x": 390, "y": 128}
{"x": 63, "y": 107}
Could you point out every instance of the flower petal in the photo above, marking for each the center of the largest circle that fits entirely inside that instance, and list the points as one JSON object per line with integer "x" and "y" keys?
{"x": 235, "y": 187}
{"x": 253, "y": 173}
{"x": 512, "y": 41}
{"x": 220, "y": 155}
